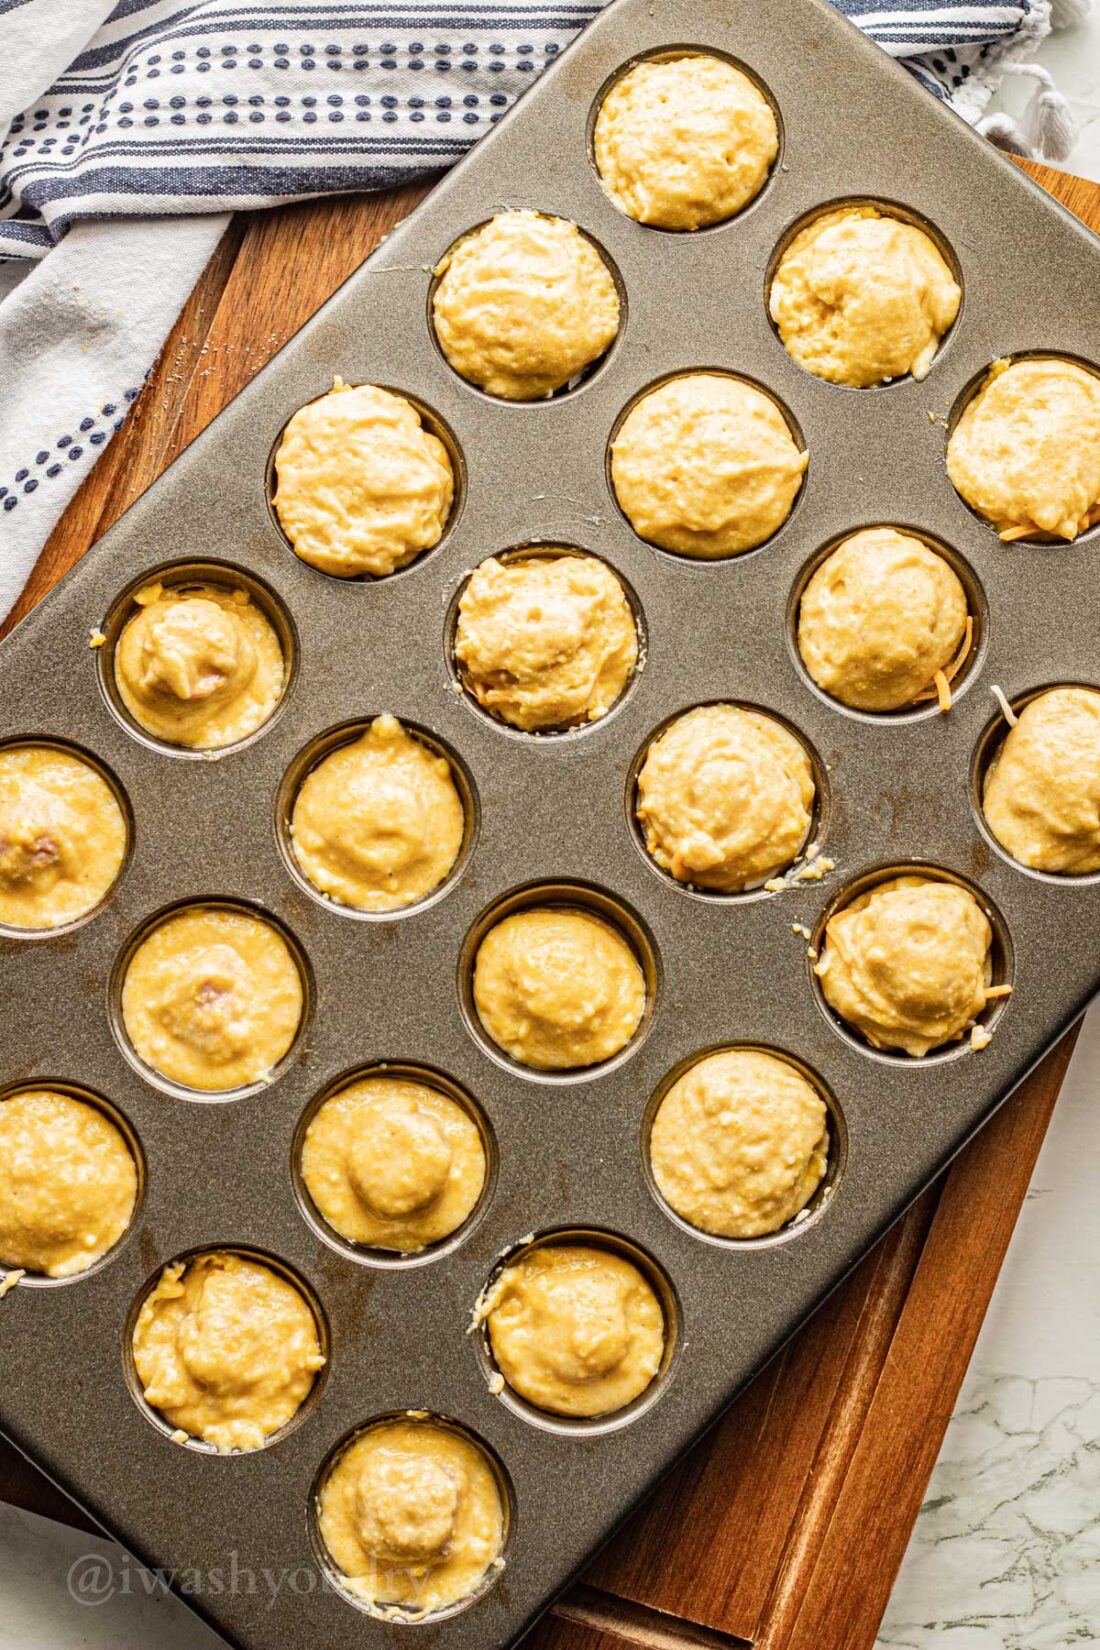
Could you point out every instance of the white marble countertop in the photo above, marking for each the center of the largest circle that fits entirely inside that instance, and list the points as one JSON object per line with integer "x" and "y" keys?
{"x": 1006, "y": 1552}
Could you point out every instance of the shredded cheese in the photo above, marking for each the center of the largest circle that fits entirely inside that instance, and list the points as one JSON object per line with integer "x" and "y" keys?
{"x": 992, "y": 991}
{"x": 943, "y": 678}
{"x": 1008, "y": 535}
{"x": 96, "y": 638}
{"x": 980, "y": 1038}
{"x": 10, "y": 1279}
{"x": 1006, "y": 709}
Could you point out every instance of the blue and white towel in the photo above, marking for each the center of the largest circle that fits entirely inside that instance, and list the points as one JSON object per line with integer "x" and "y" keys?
{"x": 129, "y": 129}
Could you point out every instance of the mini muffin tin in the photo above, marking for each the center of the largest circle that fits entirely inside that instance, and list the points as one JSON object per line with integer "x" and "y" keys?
{"x": 552, "y": 820}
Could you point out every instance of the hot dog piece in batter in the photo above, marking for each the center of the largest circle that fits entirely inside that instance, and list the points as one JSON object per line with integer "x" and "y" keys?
{"x": 63, "y": 837}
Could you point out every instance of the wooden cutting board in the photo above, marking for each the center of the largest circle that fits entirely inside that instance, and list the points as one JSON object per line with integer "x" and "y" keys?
{"x": 785, "y": 1528}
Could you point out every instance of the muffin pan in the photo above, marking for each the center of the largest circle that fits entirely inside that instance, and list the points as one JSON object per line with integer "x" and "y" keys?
{"x": 568, "y": 1156}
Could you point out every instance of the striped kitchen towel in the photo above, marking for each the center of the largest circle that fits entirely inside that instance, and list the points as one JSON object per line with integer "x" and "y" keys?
{"x": 130, "y": 128}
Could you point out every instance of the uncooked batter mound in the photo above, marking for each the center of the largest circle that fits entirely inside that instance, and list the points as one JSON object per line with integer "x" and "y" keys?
{"x": 575, "y": 1330}
{"x": 379, "y": 823}
{"x": 63, "y": 837}
{"x": 683, "y": 142}
{"x": 523, "y": 305}
{"x": 879, "y": 618}
{"x": 860, "y": 298}
{"x": 705, "y": 465}
{"x": 68, "y": 1183}
{"x": 198, "y": 665}
{"x": 212, "y": 999}
{"x": 548, "y": 641}
{"x": 725, "y": 798}
{"x": 740, "y": 1143}
{"x": 393, "y": 1164}
{"x": 909, "y": 964}
{"x": 363, "y": 487}
{"x": 226, "y": 1349}
{"x": 1025, "y": 452}
{"x": 1042, "y": 791}
{"x": 557, "y": 988}
{"x": 411, "y": 1516}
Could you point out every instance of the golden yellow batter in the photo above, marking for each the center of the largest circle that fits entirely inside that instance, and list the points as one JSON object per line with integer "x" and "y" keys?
{"x": 68, "y": 1183}
{"x": 682, "y": 142}
{"x": 393, "y": 1163}
{"x": 1025, "y": 452}
{"x": 363, "y": 487}
{"x": 226, "y": 1349}
{"x": 546, "y": 641}
{"x": 705, "y": 465}
{"x": 575, "y": 1330}
{"x": 879, "y": 618}
{"x": 1042, "y": 791}
{"x": 909, "y": 963}
{"x": 523, "y": 305}
{"x": 725, "y": 798}
{"x": 411, "y": 1516}
{"x": 212, "y": 999}
{"x": 378, "y": 823}
{"x": 861, "y": 297}
{"x": 63, "y": 837}
{"x": 198, "y": 665}
{"x": 740, "y": 1143}
{"x": 558, "y": 988}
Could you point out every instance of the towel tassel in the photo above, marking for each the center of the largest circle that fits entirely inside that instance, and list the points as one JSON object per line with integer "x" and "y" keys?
{"x": 1047, "y": 129}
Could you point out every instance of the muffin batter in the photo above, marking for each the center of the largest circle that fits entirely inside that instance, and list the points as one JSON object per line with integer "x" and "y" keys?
{"x": 705, "y": 465}
{"x": 523, "y": 305}
{"x": 575, "y": 1330}
{"x": 909, "y": 964}
{"x": 1042, "y": 791}
{"x": 394, "y": 1164}
{"x": 378, "y": 823}
{"x": 212, "y": 999}
{"x": 725, "y": 798}
{"x": 1025, "y": 452}
{"x": 68, "y": 1183}
{"x": 557, "y": 989}
{"x": 63, "y": 837}
{"x": 411, "y": 1516}
{"x": 682, "y": 142}
{"x": 363, "y": 488}
{"x": 740, "y": 1143}
{"x": 548, "y": 641}
{"x": 226, "y": 1349}
{"x": 198, "y": 665}
{"x": 879, "y": 618}
{"x": 860, "y": 297}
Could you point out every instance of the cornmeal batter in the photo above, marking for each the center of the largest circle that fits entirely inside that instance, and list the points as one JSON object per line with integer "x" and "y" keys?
{"x": 682, "y": 142}
{"x": 909, "y": 963}
{"x": 363, "y": 487}
{"x": 705, "y": 465}
{"x": 523, "y": 305}
{"x": 226, "y": 1349}
{"x": 879, "y": 618}
{"x": 68, "y": 1183}
{"x": 198, "y": 665}
{"x": 860, "y": 297}
{"x": 378, "y": 823}
{"x": 1042, "y": 791}
{"x": 557, "y": 989}
{"x": 394, "y": 1164}
{"x": 63, "y": 837}
{"x": 725, "y": 798}
{"x": 548, "y": 641}
{"x": 1025, "y": 452}
{"x": 212, "y": 999}
{"x": 575, "y": 1330}
{"x": 740, "y": 1143}
{"x": 411, "y": 1515}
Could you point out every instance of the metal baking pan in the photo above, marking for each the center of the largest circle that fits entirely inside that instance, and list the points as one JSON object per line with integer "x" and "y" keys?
{"x": 554, "y": 811}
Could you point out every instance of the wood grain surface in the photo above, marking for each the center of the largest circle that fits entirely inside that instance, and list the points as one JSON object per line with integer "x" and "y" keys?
{"x": 785, "y": 1528}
